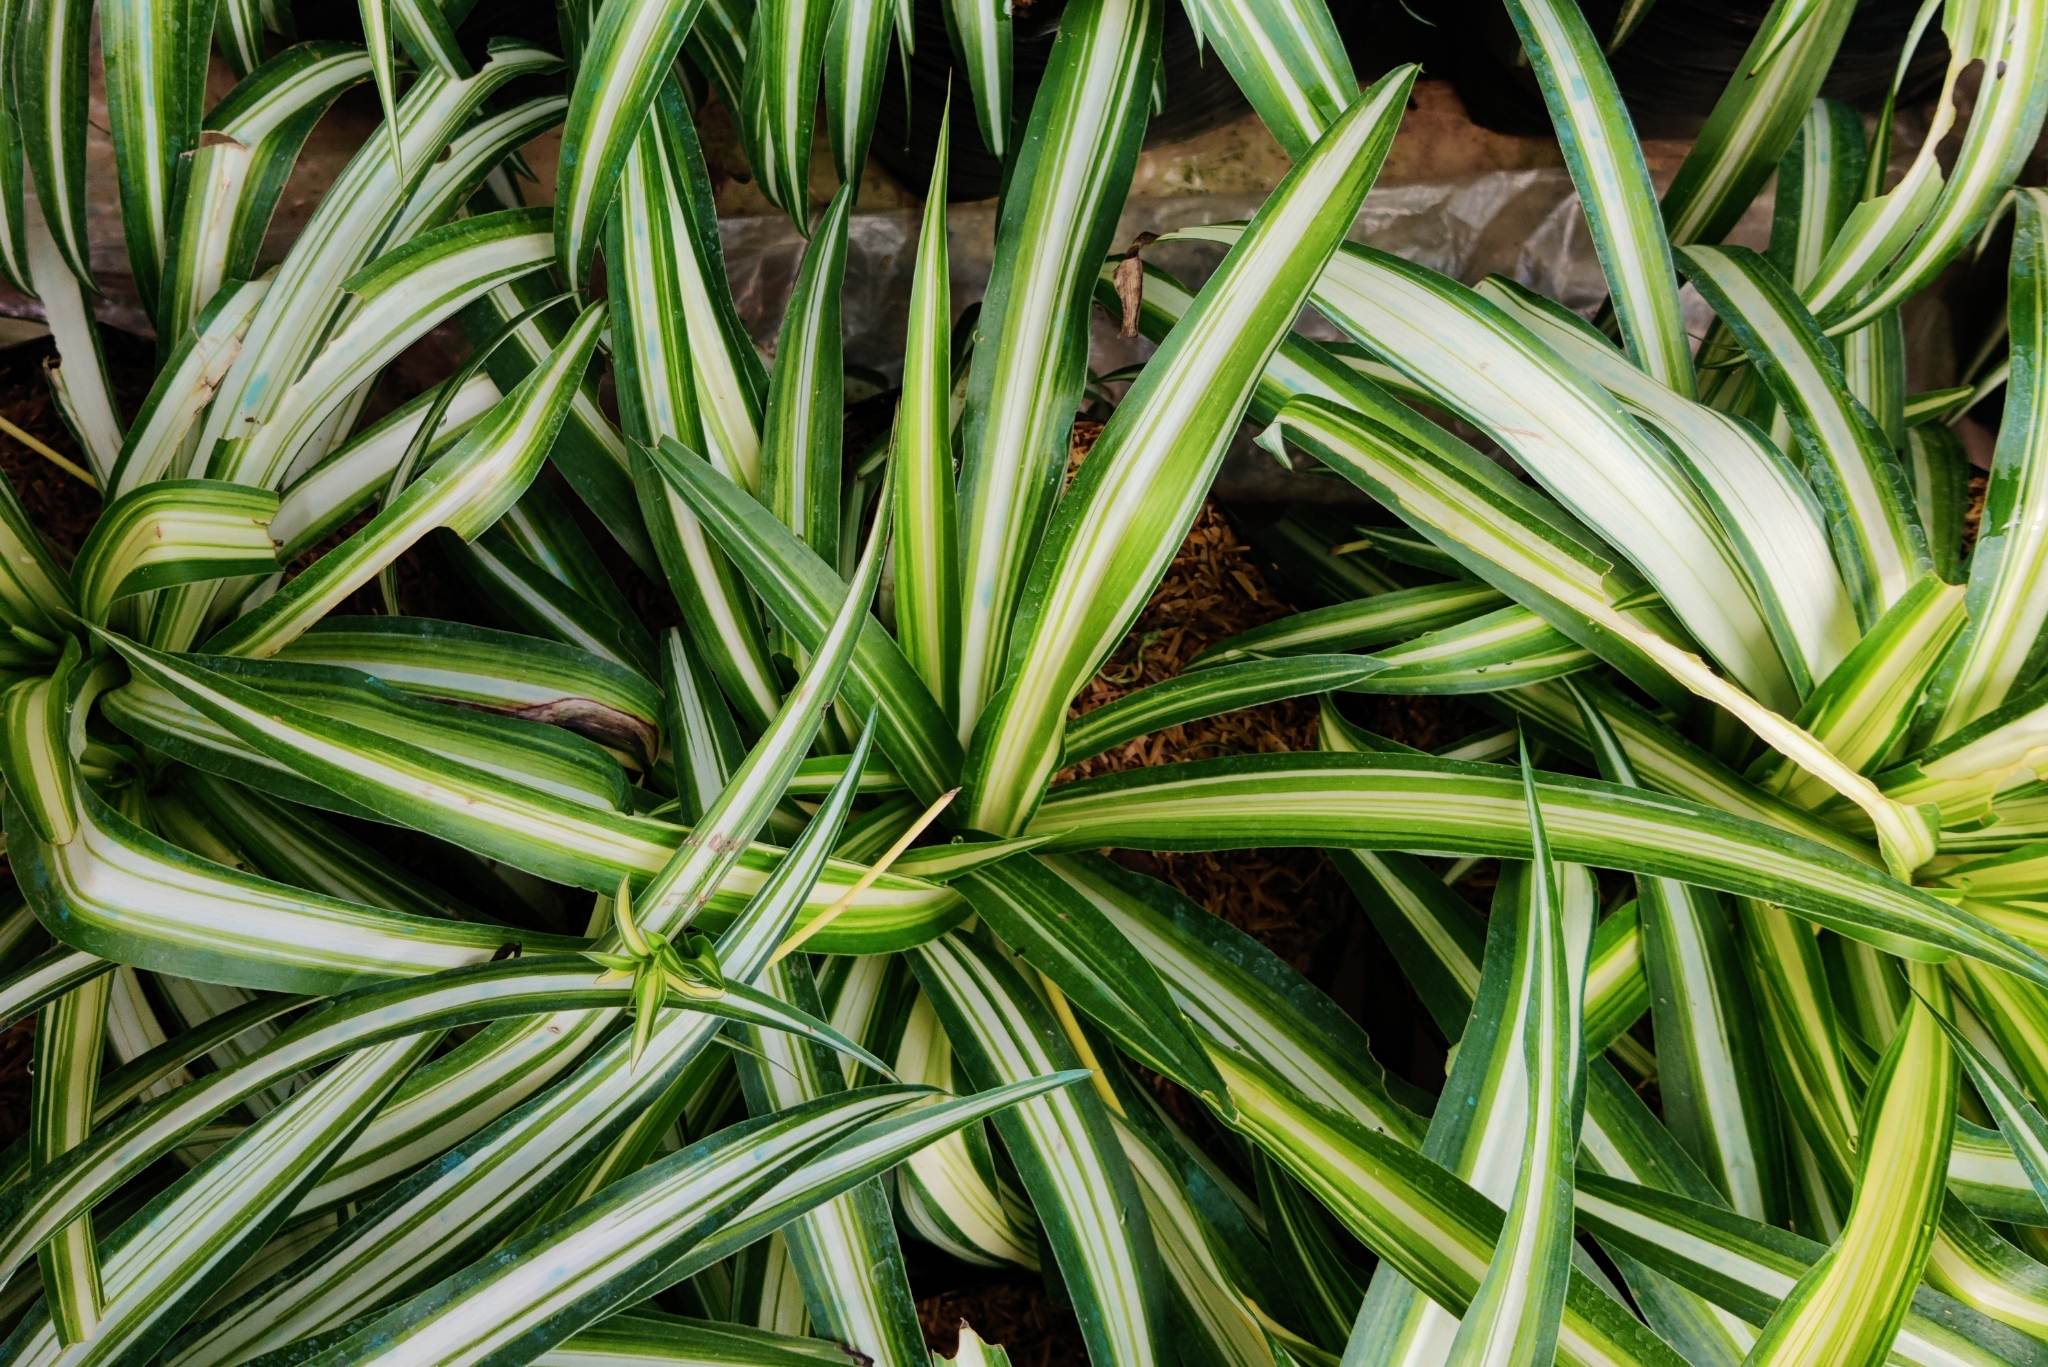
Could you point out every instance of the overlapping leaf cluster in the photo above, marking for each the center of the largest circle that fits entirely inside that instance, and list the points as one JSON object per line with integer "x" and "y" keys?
{"x": 549, "y": 988}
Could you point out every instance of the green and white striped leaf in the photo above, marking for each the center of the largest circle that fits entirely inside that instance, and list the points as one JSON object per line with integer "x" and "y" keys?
{"x": 1118, "y": 526}
{"x": 124, "y": 1145}
{"x": 589, "y": 452}
{"x": 1849, "y": 1305}
{"x": 979, "y": 31}
{"x": 1061, "y": 933}
{"x": 950, "y": 1193}
{"x": 1756, "y": 496}
{"x": 1426, "y": 1224}
{"x": 1853, "y": 467}
{"x": 390, "y": 802}
{"x": 37, "y": 762}
{"x": 237, "y": 172}
{"x": 162, "y": 1265}
{"x": 1206, "y": 692}
{"x": 13, "y": 172}
{"x": 114, "y": 890}
{"x": 658, "y": 361}
{"x": 155, "y": 58}
{"x": 70, "y": 1037}
{"x": 1966, "y": 773}
{"x": 1665, "y": 760}
{"x": 778, "y": 107}
{"x": 638, "y": 1235}
{"x": 630, "y": 49}
{"x": 801, "y": 591}
{"x": 1874, "y": 362}
{"x": 1514, "y": 1314}
{"x": 346, "y": 231}
{"x": 376, "y": 16}
{"x": 1447, "y": 806}
{"x": 47, "y": 78}
{"x": 1821, "y": 178}
{"x": 1327, "y": 1288}
{"x": 1568, "y": 434}
{"x": 157, "y": 442}
{"x": 1288, "y": 59}
{"x": 45, "y": 978}
{"x": 399, "y": 297}
{"x": 2019, "y": 1120}
{"x": 857, "y": 57}
{"x": 1062, "y": 1144}
{"x": 1710, "y": 1061}
{"x": 1208, "y": 1244}
{"x": 289, "y": 844}
{"x": 1756, "y": 119}
{"x": 35, "y": 591}
{"x": 1897, "y": 242}
{"x": 1246, "y": 1002}
{"x": 520, "y": 753}
{"x": 1489, "y": 1111}
{"x": 527, "y": 827}
{"x": 1401, "y": 473}
{"x": 1607, "y": 165}
{"x": 425, "y": 29}
{"x": 2002, "y": 643}
{"x": 927, "y": 529}
{"x": 845, "y": 1251}
{"x": 975, "y": 1351}
{"x": 83, "y": 394}
{"x": 1938, "y": 469}
{"x": 462, "y": 177}
{"x": 1436, "y": 937}
{"x": 731, "y": 382}
{"x": 205, "y": 921}
{"x": 1861, "y": 711}
{"x": 1748, "y": 1268}
{"x": 556, "y": 1131}
{"x": 359, "y": 472}
{"x": 465, "y": 491}
{"x": 1381, "y": 619}
{"x": 1066, "y": 187}
{"x": 641, "y": 1338}
{"x": 1300, "y": 366}
{"x": 802, "y": 424}
{"x": 1812, "y": 1056}
{"x": 145, "y": 1076}
{"x": 513, "y": 569}
{"x": 374, "y": 1260}
{"x": 704, "y": 745}
{"x": 495, "y": 671}
{"x": 1505, "y": 649}
{"x": 173, "y": 532}
{"x": 717, "y": 45}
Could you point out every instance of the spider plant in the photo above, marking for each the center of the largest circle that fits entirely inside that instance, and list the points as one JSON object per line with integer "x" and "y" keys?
{"x": 552, "y": 987}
